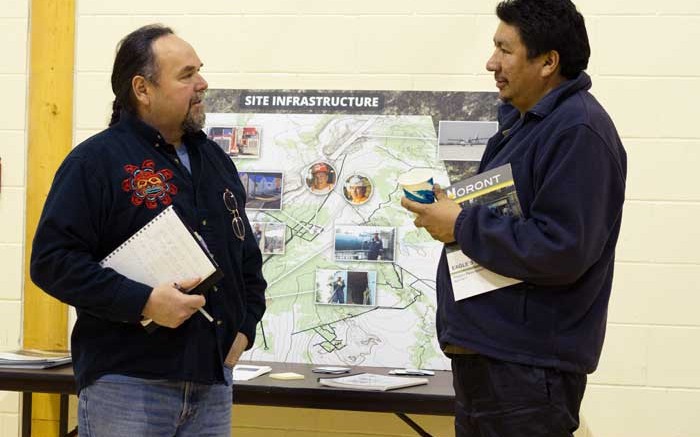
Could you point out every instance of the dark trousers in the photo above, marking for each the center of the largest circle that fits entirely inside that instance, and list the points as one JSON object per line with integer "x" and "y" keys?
{"x": 500, "y": 399}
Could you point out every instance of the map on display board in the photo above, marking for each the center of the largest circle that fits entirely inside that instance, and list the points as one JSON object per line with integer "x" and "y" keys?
{"x": 351, "y": 281}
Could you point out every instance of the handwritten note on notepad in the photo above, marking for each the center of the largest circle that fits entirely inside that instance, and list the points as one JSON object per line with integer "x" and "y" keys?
{"x": 163, "y": 250}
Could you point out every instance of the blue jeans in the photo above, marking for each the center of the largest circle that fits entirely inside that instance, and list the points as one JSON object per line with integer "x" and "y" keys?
{"x": 119, "y": 406}
{"x": 500, "y": 399}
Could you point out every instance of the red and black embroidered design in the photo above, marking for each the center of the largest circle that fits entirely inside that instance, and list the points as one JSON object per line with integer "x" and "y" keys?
{"x": 148, "y": 185}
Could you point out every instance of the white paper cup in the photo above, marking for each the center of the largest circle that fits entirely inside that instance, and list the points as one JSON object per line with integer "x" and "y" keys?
{"x": 417, "y": 185}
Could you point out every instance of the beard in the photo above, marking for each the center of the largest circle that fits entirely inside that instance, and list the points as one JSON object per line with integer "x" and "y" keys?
{"x": 194, "y": 119}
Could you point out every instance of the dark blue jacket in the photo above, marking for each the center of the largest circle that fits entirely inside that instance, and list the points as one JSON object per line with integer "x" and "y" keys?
{"x": 106, "y": 189}
{"x": 569, "y": 168}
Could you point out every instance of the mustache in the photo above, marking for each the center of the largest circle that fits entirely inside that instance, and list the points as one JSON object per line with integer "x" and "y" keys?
{"x": 198, "y": 98}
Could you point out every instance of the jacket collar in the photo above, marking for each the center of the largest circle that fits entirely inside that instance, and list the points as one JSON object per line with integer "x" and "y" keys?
{"x": 151, "y": 135}
{"x": 547, "y": 104}
{"x": 551, "y": 100}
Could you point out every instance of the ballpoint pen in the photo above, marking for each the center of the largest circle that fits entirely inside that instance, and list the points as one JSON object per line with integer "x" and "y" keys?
{"x": 200, "y": 309}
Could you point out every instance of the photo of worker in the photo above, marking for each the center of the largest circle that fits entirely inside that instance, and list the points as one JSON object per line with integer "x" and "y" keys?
{"x": 357, "y": 189}
{"x": 264, "y": 189}
{"x": 364, "y": 243}
{"x": 258, "y": 230}
{"x": 320, "y": 178}
{"x": 330, "y": 286}
{"x": 346, "y": 287}
{"x": 464, "y": 140}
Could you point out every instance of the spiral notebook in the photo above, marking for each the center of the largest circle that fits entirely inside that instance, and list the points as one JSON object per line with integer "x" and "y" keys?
{"x": 164, "y": 250}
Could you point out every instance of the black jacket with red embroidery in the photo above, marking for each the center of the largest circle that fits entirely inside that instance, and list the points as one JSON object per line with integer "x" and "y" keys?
{"x": 107, "y": 188}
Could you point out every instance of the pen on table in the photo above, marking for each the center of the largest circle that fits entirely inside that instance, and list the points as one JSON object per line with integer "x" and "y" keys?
{"x": 200, "y": 309}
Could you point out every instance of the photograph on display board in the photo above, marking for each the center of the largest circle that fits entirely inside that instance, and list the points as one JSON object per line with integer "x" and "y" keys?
{"x": 461, "y": 170}
{"x": 223, "y": 136}
{"x": 464, "y": 140}
{"x": 270, "y": 237}
{"x": 246, "y": 142}
{"x": 357, "y": 189}
{"x": 378, "y": 134}
{"x": 346, "y": 287}
{"x": 237, "y": 141}
{"x": 258, "y": 230}
{"x": 273, "y": 238}
{"x": 320, "y": 178}
{"x": 364, "y": 243}
{"x": 264, "y": 189}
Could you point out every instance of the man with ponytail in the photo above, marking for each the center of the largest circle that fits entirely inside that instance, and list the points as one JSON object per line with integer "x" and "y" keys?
{"x": 177, "y": 379}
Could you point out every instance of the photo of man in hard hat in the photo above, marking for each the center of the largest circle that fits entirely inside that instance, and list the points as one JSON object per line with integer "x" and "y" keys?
{"x": 320, "y": 178}
{"x": 357, "y": 189}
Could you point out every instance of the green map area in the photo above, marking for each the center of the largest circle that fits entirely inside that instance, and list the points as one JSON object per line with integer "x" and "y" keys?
{"x": 398, "y": 330}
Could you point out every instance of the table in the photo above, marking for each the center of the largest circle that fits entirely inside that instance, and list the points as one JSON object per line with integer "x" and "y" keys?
{"x": 436, "y": 398}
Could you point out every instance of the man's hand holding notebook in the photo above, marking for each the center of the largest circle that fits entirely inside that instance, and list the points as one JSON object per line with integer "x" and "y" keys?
{"x": 169, "y": 304}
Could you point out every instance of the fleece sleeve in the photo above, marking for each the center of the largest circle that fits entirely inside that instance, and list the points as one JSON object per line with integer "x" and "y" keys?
{"x": 578, "y": 191}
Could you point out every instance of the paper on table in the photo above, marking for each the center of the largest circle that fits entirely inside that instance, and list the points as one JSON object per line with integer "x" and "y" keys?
{"x": 246, "y": 372}
{"x": 33, "y": 359}
{"x": 286, "y": 376}
{"x": 419, "y": 372}
{"x": 372, "y": 381}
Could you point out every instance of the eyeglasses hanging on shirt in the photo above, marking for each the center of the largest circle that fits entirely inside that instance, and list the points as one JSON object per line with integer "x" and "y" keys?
{"x": 236, "y": 220}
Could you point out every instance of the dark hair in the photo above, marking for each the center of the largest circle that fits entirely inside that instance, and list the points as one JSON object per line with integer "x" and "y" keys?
{"x": 546, "y": 25}
{"x": 134, "y": 57}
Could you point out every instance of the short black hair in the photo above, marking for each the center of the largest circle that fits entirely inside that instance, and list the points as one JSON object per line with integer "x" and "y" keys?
{"x": 134, "y": 57}
{"x": 546, "y": 25}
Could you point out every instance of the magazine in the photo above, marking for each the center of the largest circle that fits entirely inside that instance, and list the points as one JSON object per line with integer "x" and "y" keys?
{"x": 372, "y": 382}
{"x": 495, "y": 189}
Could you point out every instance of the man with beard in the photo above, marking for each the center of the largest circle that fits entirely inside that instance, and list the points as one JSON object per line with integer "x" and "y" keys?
{"x": 176, "y": 380}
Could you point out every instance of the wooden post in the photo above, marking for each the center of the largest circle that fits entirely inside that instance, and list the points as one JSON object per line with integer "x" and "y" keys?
{"x": 50, "y": 128}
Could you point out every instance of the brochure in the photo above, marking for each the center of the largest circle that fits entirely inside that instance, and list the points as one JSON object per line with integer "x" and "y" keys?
{"x": 372, "y": 382}
{"x": 495, "y": 189}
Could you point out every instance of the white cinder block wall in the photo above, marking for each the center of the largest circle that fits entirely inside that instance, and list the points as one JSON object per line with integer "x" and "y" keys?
{"x": 645, "y": 71}
{"x": 13, "y": 86}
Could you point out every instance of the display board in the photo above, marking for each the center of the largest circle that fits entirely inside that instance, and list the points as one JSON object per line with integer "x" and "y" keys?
{"x": 351, "y": 281}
